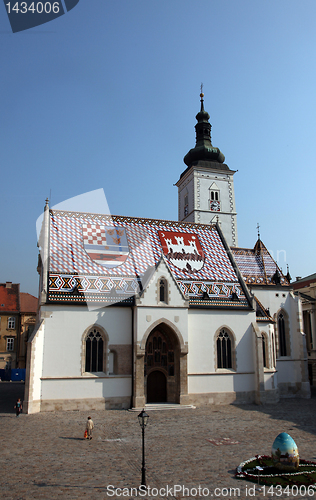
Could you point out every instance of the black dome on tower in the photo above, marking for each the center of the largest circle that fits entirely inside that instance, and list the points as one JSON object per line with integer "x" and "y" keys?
{"x": 203, "y": 150}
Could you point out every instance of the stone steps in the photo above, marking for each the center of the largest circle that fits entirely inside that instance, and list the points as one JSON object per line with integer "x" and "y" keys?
{"x": 163, "y": 406}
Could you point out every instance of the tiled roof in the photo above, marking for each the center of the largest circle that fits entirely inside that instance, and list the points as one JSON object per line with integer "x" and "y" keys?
{"x": 304, "y": 282}
{"x": 28, "y": 303}
{"x": 257, "y": 267}
{"x": 106, "y": 256}
{"x": 9, "y": 297}
{"x": 262, "y": 314}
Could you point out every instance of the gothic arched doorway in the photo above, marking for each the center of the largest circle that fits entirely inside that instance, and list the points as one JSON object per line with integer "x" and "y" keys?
{"x": 156, "y": 387}
{"x": 162, "y": 366}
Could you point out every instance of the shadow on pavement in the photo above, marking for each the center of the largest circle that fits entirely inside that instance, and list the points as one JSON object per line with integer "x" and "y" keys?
{"x": 74, "y": 439}
{"x": 297, "y": 412}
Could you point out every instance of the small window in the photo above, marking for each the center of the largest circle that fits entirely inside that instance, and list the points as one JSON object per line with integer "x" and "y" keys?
{"x": 163, "y": 290}
{"x": 11, "y": 323}
{"x": 214, "y": 195}
{"x": 10, "y": 344}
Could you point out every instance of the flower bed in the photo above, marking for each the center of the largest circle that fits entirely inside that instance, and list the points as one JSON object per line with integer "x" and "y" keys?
{"x": 304, "y": 476}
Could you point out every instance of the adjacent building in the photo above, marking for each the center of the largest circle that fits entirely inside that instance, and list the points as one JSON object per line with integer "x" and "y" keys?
{"x": 306, "y": 289}
{"x": 9, "y": 324}
{"x": 28, "y": 312}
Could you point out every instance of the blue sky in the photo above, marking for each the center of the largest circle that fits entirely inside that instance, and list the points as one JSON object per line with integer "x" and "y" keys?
{"x": 106, "y": 95}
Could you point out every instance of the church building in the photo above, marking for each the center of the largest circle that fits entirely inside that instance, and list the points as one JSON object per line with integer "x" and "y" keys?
{"x": 135, "y": 311}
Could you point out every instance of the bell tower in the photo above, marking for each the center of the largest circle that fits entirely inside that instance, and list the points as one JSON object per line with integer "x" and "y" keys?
{"x": 206, "y": 186}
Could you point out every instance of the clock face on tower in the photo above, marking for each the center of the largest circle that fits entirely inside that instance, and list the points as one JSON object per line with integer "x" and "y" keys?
{"x": 215, "y": 206}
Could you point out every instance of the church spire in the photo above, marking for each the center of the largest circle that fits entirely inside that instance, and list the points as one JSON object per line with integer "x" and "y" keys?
{"x": 204, "y": 149}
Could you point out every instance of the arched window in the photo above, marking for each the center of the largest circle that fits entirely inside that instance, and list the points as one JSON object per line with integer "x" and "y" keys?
{"x": 273, "y": 350}
{"x": 264, "y": 350}
{"x": 163, "y": 290}
{"x": 282, "y": 335}
{"x": 95, "y": 351}
{"x": 224, "y": 349}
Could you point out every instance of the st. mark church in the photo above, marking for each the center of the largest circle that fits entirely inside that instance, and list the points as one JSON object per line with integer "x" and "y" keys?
{"x": 135, "y": 311}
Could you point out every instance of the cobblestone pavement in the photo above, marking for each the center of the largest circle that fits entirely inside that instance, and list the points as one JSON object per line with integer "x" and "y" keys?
{"x": 44, "y": 456}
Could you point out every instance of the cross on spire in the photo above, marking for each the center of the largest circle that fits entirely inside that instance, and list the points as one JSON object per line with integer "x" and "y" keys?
{"x": 258, "y": 229}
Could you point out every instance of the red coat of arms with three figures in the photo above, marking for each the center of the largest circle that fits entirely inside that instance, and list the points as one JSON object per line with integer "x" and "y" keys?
{"x": 183, "y": 250}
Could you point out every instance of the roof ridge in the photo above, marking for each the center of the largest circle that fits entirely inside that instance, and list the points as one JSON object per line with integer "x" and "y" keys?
{"x": 126, "y": 218}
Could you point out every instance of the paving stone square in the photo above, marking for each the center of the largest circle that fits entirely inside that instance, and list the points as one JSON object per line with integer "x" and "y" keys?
{"x": 44, "y": 456}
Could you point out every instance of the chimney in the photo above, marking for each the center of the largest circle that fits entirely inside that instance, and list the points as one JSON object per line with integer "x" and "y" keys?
{"x": 8, "y": 284}
{"x": 298, "y": 278}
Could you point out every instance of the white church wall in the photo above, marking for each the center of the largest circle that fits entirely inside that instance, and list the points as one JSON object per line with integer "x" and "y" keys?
{"x": 82, "y": 388}
{"x": 33, "y": 384}
{"x": 203, "y": 325}
{"x": 287, "y": 372}
{"x": 296, "y": 320}
{"x": 38, "y": 347}
{"x": 274, "y": 300}
{"x": 64, "y": 329}
{"x": 201, "y": 384}
{"x": 270, "y": 381}
{"x": 291, "y": 377}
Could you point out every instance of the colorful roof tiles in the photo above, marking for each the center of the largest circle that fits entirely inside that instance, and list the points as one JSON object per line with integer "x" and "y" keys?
{"x": 257, "y": 267}
{"x": 105, "y": 257}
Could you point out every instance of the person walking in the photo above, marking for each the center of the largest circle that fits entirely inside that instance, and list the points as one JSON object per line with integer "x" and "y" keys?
{"x": 18, "y": 407}
{"x": 89, "y": 428}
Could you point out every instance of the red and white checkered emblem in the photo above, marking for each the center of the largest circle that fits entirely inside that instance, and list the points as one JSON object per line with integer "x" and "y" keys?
{"x": 106, "y": 245}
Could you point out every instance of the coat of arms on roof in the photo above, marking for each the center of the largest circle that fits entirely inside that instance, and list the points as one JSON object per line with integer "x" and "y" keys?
{"x": 105, "y": 245}
{"x": 183, "y": 250}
